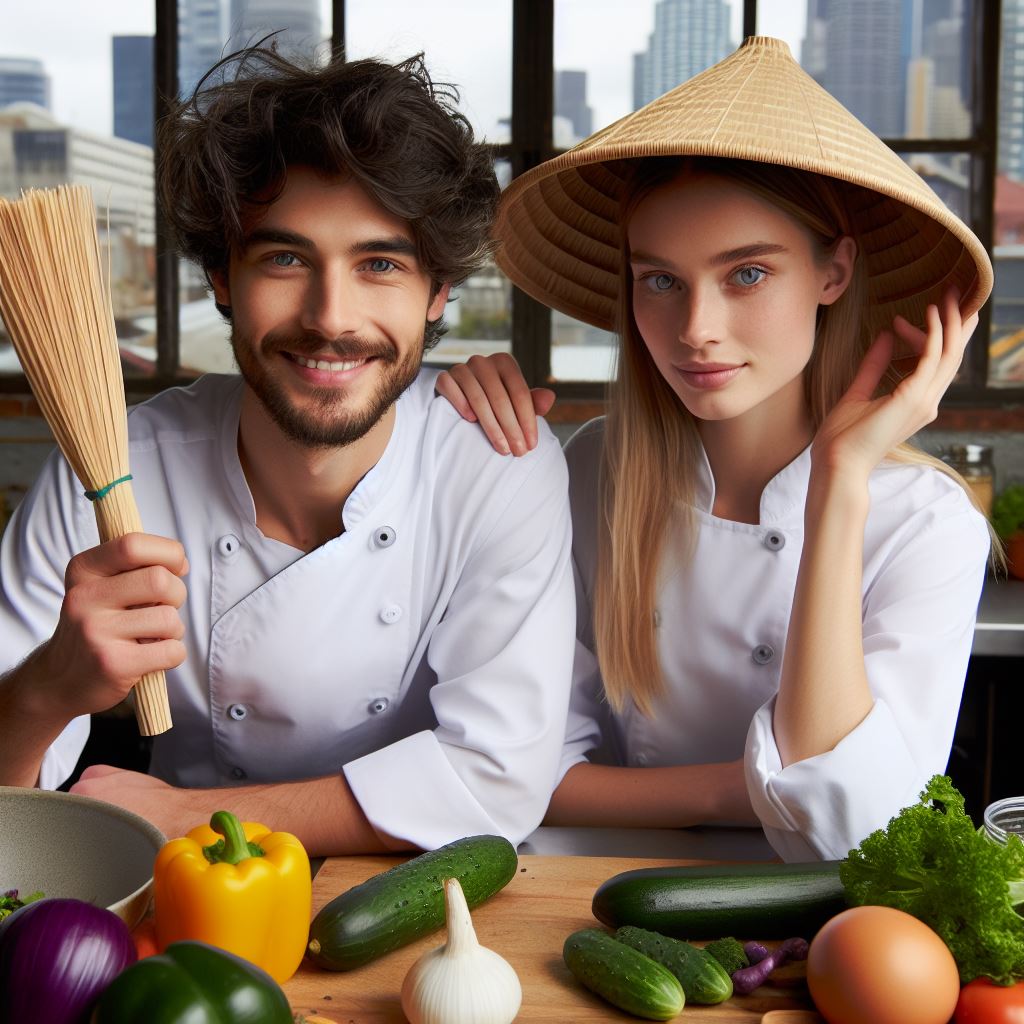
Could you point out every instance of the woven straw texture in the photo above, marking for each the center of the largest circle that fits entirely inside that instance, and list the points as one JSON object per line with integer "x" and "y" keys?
{"x": 558, "y": 223}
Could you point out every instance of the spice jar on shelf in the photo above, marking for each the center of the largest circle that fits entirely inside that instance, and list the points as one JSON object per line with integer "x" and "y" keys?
{"x": 1004, "y": 817}
{"x": 974, "y": 463}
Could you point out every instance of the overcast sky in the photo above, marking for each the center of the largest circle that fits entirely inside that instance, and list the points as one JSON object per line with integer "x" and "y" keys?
{"x": 465, "y": 41}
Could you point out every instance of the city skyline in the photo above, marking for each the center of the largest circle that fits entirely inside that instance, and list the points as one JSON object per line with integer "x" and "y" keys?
{"x": 76, "y": 52}
{"x": 917, "y": 87}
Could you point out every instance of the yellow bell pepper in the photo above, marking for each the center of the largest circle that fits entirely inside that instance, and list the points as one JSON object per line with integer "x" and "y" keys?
{"x": 247, "y": 890}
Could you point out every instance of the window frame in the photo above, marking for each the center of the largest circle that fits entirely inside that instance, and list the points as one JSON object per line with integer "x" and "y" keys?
{"x": 532, "y": 143}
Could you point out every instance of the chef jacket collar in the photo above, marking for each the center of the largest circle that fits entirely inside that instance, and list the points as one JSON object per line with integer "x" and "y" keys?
{"x": 782, "y": 499}
{"x": 377, "y": 482}
{"x": 360, "y": 502}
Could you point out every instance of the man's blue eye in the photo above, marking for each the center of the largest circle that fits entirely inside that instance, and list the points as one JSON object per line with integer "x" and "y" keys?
{"x": 381, "y": 265}
{"x": 284, "y": 259}
{"x": 748, "y": 276}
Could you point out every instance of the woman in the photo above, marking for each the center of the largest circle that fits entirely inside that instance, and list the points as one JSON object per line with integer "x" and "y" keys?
{"x": 776, "y": 594}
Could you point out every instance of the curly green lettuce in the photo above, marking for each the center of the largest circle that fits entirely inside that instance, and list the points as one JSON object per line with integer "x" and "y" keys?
{"x": 931, "y": 862}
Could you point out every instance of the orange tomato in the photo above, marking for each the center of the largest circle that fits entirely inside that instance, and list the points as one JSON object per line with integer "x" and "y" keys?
{"x": 876, "y": 965}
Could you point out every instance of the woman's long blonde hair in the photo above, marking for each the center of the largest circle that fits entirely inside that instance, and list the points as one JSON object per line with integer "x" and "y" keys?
{"x": 651, "y": 444}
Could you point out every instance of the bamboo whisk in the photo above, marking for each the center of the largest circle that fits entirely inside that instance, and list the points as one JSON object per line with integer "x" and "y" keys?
{"x": 58, "y": 313}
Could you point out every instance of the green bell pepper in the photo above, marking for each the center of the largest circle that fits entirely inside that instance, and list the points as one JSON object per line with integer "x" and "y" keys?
{"x": 193, "y": 983}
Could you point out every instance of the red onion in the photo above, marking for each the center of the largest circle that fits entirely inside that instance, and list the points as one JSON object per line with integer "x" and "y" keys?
{"x": 56, "y": 958}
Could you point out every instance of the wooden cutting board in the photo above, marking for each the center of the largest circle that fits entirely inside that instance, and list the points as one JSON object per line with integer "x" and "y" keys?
{"x": 526, "y": 923}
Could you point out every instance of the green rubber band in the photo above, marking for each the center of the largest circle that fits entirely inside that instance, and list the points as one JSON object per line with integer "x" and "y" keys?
{"x": 104, "y": 491}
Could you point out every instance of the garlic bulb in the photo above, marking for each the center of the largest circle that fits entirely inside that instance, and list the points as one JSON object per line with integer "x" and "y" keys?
{"x": 460, "y": 982}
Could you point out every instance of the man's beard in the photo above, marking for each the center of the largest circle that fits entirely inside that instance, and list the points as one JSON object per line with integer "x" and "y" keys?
{"x": 326, "y": 422}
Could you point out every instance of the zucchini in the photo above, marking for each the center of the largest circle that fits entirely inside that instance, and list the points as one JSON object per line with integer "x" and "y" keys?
{"x": 703, "y": 978}
{"x": 621, "y": 975}
{"x": 764, "y": 901}
{"x": 406, "y": 902}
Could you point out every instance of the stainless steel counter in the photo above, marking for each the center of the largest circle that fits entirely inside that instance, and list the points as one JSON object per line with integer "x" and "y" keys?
{"x": 1000, "y": 626}
{"x": 703, "y": 843}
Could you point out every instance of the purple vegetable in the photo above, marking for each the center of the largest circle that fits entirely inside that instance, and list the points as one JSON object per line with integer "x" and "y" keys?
{"x": 56, "y": 958}
{"x": 755, "y": 952}
{"x": 794, "y": 949}
{"x": 746, "y": 979}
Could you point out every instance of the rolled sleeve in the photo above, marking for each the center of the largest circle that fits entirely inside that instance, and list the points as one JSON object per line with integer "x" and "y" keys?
{"x": 919, "y": 611}
{"x": 430, "y": 806}
{"x": 809, "y": 810}
{"x": 502, "y": 656}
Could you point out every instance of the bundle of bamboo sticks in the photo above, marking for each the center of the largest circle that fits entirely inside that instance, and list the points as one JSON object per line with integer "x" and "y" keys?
{"x": 58, "y": 313}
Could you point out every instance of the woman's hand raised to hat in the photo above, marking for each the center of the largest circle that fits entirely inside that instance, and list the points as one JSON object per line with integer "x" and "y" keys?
{"x": 864, "y": 427}
{"x": 492, "y": 391}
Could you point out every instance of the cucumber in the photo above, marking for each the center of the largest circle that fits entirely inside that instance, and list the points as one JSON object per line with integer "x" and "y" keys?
{"x": 703, "y": 978}
{"x": 406, "y": 902}
{"x": 764, "y": 901}
{"x": 625, "y": 978}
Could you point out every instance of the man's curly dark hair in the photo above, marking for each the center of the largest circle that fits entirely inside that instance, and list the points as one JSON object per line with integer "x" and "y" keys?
{"x": 225, "y": 151}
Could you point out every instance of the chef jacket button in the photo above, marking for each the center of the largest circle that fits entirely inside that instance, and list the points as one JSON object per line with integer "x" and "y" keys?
{"x": 228, "y": 545}
{"x": 774, "y": 541}
{"x": 390, "y": 614}
{"x": 238, "y": 773}
{"x": 238, "y": 711}
{"x": 378, "y": 706}
{"x": 763, "y": 653}
{"x": 382, "y": 537}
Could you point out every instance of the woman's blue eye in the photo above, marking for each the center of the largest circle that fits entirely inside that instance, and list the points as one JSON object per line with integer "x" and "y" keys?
{"x": 660, "y": 282}
{"x": 748, "y": 276}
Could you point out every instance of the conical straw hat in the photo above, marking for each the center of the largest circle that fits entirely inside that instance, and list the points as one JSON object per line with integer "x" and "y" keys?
{"x": 558, "y": 223}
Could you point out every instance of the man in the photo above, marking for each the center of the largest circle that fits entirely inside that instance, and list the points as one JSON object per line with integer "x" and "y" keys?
{"x": 365, "y": 614}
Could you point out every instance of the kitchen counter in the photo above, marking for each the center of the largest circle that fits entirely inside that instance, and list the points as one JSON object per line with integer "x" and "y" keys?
{"x": 705, "y": 843}
{"x": 526, "y": 923}
{"x": 1000, "y": 626}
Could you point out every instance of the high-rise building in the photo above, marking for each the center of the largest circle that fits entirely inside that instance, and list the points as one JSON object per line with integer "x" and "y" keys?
{"x": 857, "y": 52}
{"x": 571, "y": 104}
{"x": 950, "y": 100}
{"x": 133, "y": 88}
{"x": 1011, "y": 91}
{"x": 37, "y": 151}
{"x": 865, "y": 61}
{"x": 938, "y": 88}
{"x": 200, "y": 40}
{"x": 24, "y": 80}
{"x": 688, "y": 36}
{"x": 296, "y": 22}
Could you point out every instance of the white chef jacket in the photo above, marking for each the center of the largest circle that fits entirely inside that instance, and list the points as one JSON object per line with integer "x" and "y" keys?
{"x": 721, "y": 625}
{"x": 426, "y": 651}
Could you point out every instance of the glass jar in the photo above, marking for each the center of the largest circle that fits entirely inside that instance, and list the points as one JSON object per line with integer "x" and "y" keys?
{"x": 974, "y": 463}
{"x": 1003, "y": 818}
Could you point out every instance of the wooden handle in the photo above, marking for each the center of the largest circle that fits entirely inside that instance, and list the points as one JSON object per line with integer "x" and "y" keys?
{"x": 152, "y": 711}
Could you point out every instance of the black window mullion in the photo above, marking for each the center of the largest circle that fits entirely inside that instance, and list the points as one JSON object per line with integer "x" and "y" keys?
{"x": 533, "y": 77}
{"x": 985, "y": 120}
{"x": 337, "y": 26}
{"x": 749, "y": 18}
{"x": 165, "y": 89}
